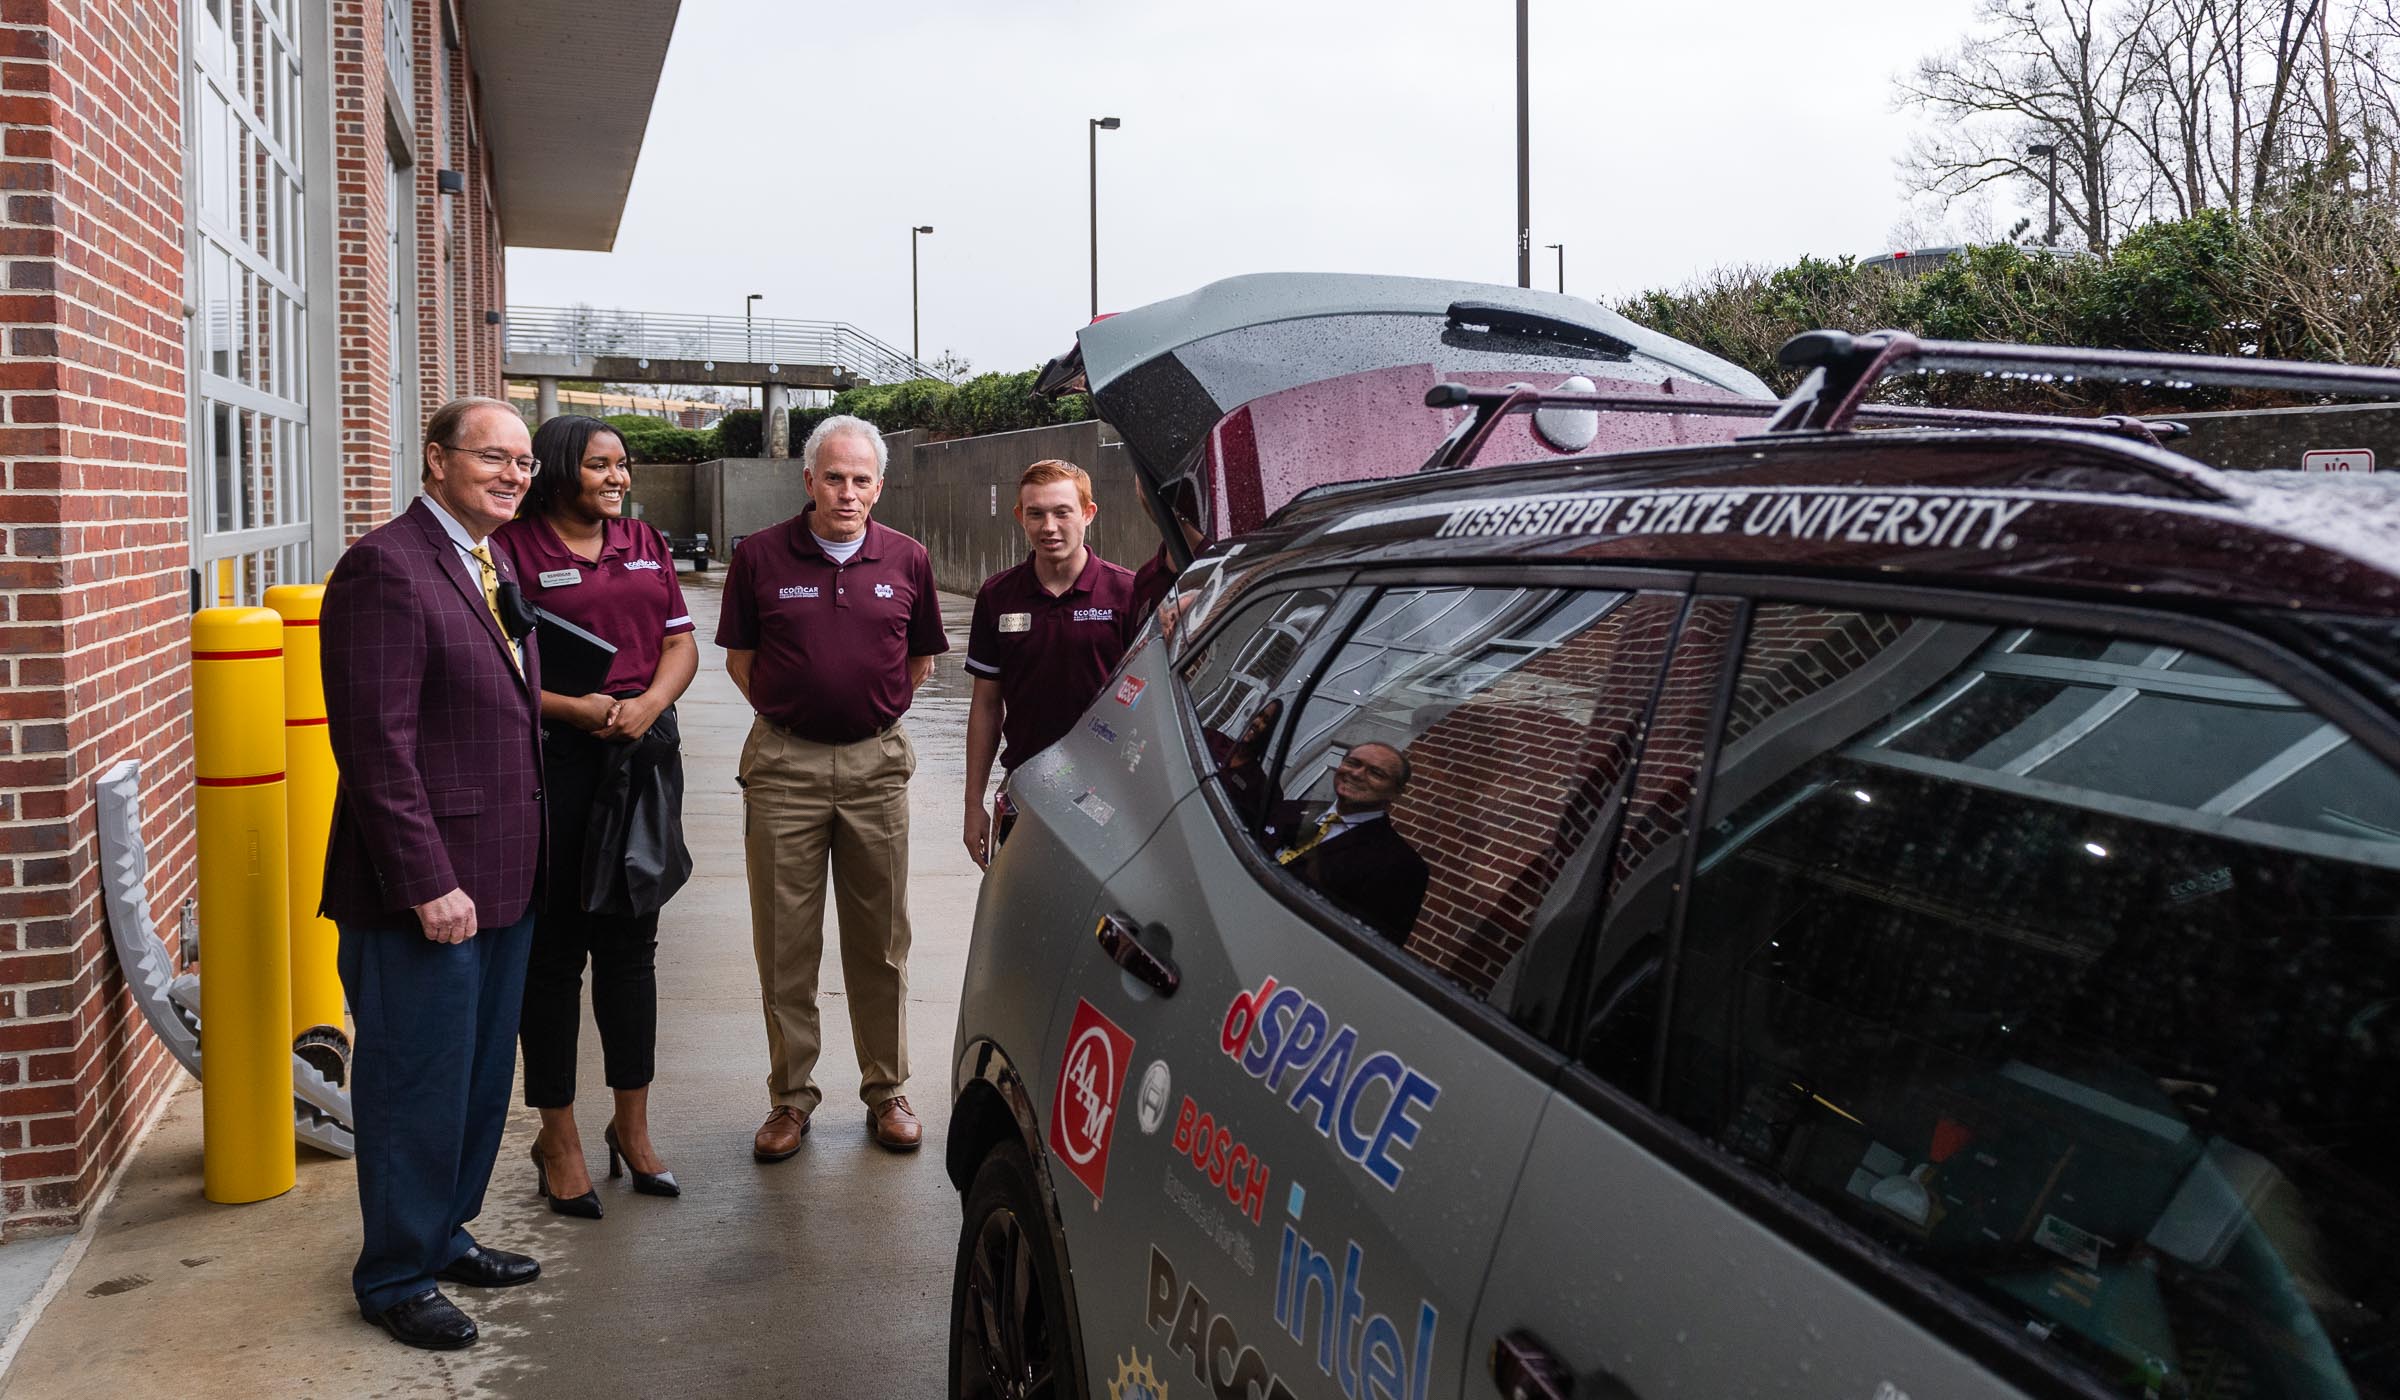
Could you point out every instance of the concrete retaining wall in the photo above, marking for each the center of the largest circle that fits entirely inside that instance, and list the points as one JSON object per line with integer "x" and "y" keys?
{"x": 663, "y": 493}
{"x": 955, "y": 496}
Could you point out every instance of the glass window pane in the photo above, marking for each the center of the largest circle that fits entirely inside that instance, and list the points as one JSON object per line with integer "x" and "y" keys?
{"x": 1440, "y": 786}
{"x": 2165, "y": 748}
{"x": 2130, "y": 1075}
{"x": 1243, "y": 681}
{"x": 1996, "y": 720}
{"x": 2344, "y": 793}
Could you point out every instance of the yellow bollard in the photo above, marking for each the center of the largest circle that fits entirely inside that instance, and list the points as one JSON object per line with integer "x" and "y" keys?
{"x": 245, "y": 941}
{"x": 317, "y": 1032}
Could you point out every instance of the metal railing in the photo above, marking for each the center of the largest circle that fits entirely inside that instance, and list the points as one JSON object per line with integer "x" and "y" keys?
{"x": 584, "y": 331}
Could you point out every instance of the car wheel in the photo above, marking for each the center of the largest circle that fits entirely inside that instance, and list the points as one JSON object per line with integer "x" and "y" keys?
{"x": 1008, "y": 1334}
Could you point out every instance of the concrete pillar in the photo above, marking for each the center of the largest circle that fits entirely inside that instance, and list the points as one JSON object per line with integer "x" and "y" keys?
{"x": 777, "y": 427}
{"x": 545, "y": 399}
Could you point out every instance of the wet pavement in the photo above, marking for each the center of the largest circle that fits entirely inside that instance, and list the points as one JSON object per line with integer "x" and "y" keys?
{"x": 827, "y": 1274}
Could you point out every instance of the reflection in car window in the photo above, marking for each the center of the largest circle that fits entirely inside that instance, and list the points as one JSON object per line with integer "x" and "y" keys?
{"x": 1508, "y": 715}
{"x": 1239, "y": 684}
{"x": 2069, "y": 969}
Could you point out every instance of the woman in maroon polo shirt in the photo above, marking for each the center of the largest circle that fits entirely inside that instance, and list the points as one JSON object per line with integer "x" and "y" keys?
{"x": 580, "y": 557}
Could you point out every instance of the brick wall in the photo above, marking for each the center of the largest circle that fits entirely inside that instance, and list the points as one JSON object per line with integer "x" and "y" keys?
{"x": 1508, "y": 785}
{"x": 93, "y": 523}
{"x": 362, "y": 269}
{"x": 95, "y": 509}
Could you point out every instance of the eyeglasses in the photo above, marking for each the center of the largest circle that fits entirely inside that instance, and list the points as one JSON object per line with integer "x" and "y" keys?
{"x": 1356, "y": 764}
{"x": 496, "y": 457}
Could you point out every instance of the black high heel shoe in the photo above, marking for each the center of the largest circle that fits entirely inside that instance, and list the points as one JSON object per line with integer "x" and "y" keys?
{"x": 648, "y": 1183}
{"x": 585, "y": 1206}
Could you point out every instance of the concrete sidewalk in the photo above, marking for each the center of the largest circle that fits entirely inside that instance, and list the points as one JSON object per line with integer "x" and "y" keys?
{"x": 828, "y": 1274}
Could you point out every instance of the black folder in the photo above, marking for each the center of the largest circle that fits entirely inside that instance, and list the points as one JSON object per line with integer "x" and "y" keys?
{"x": 574, "y": 661}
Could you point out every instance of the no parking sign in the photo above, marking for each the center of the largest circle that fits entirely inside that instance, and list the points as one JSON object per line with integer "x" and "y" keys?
{"x": 2346, "y": 459}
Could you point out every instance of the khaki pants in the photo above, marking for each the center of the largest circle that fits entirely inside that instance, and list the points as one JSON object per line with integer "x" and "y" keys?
{"x": 806, "y": 807}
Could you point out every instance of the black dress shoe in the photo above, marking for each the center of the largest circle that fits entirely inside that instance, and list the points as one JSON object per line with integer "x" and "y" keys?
{"x": 427, "y": 1320}
{"x": 490, "y": 1268}
{"x": 583, "y": 1207}
{"x": 648, "y": 1183}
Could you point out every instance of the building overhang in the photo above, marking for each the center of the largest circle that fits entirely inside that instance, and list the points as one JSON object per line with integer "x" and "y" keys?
{"x": 565, "y": 89}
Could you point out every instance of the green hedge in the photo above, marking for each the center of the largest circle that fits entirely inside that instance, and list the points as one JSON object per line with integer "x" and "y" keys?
{"x": 2309, "y": 281}
{"x": 650, "y": 439}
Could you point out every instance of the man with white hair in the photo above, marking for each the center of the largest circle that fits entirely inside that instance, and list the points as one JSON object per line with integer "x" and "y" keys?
{"x": 830, "y": 623}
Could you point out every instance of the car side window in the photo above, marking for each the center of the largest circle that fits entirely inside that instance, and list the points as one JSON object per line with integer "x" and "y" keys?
{"x": 1452, "y": 777}
{"x": 1242, "y": 681}
{"x": 2067, "y": 967}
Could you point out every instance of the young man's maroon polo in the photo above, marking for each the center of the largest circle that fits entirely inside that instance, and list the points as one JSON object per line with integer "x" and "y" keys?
{"x": 832, "y": 640}
{"x": 629, "y": 595}
{"x": 1049, "y": 654}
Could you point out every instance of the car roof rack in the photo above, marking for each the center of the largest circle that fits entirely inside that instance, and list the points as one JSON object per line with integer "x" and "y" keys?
{"x": 1488, "y": 406}
{"x": 1842, "y": 367}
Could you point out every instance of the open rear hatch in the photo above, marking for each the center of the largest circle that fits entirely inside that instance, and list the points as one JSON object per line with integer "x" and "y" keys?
{"x": 1234, "y": 398}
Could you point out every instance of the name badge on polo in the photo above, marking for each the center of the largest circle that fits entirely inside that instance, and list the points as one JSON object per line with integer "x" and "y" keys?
{"x": 1016, "y": 622}
{"x": 559, "y": 578}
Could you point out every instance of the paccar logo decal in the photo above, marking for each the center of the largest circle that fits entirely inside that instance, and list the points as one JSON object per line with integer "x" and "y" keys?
{"x": 1209, "y": 1340}
{"x": 1360, "y": 1350}
{"x": 1090, "y": 1081}
{"x": 1364, "y": 1105}
{"x": 1226, "y": 1161}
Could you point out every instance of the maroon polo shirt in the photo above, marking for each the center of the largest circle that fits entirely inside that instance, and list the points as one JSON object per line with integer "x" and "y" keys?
{"x": 832, "y": 640}
{"x": 1050, "y": 655}
{"x": 629, "y": 596}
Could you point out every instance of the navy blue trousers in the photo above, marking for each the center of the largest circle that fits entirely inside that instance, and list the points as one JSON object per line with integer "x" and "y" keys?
{"x": 429, "y": 1081}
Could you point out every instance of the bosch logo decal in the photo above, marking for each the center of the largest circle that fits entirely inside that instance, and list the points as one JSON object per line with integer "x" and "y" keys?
{"x": 1227, "y": 1162}
{"x": 1091, "y": 1080}
{"x": 1365, "y": 1105}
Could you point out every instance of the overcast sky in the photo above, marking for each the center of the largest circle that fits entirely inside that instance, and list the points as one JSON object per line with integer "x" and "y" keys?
{"x": 792, "y": 145}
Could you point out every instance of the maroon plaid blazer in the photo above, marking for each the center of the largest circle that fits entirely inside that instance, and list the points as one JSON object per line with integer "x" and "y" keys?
{"x": 437, "y": 736}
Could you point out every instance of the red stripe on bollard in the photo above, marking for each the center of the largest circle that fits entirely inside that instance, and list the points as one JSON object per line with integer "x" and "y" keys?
{"x": 253, "y": 781}
{"x": 235, "y": 655}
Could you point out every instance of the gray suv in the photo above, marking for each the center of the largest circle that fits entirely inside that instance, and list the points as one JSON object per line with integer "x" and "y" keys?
{"x": 1838, "y": 913}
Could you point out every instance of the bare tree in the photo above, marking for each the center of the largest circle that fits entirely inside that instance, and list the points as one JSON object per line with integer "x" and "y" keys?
{"x": 2063, "y": 74}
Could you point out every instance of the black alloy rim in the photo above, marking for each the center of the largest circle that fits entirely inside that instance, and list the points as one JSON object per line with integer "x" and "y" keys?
{"x": 1005, "y": 1336}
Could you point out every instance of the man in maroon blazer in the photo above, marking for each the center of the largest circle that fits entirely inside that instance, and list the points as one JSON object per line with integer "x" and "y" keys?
{"x": 437, "y": 841}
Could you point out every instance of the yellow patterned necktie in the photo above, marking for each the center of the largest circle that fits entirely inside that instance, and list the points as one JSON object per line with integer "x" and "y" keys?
{"x": 1293, "y": 853}
{"x": 491, "y": 598}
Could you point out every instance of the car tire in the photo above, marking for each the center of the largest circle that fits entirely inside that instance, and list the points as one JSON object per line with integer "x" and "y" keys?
{"x": 1008, "y": 1309}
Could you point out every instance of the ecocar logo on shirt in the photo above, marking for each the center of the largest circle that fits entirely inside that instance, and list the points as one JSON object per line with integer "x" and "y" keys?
{"x": 797, "y": 590}
{"x": 1274, "y": 1031}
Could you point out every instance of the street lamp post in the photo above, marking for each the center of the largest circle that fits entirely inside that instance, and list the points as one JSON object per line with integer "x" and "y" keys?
{"x": 1561, "y": 250}
{"x": 1098, "y": 125}
{"x": 1524, "y": 156}
{"x": 2050, "y": 149}
{"x": 749, "y": 338}
{"x": 915, "y": 345}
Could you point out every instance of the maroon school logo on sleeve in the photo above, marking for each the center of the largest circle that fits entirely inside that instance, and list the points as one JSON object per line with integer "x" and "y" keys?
{"x": 1090, "y": 1081}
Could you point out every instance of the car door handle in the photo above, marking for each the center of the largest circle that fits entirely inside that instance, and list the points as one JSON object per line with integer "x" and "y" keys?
{"x": 1524, "y": 1369}
{"x": 1121, "y": 940}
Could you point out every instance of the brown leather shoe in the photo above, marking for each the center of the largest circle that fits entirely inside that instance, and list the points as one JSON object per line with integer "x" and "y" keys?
{"x": 893, "y": 1126}
{"x": 779, "y": 1137}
